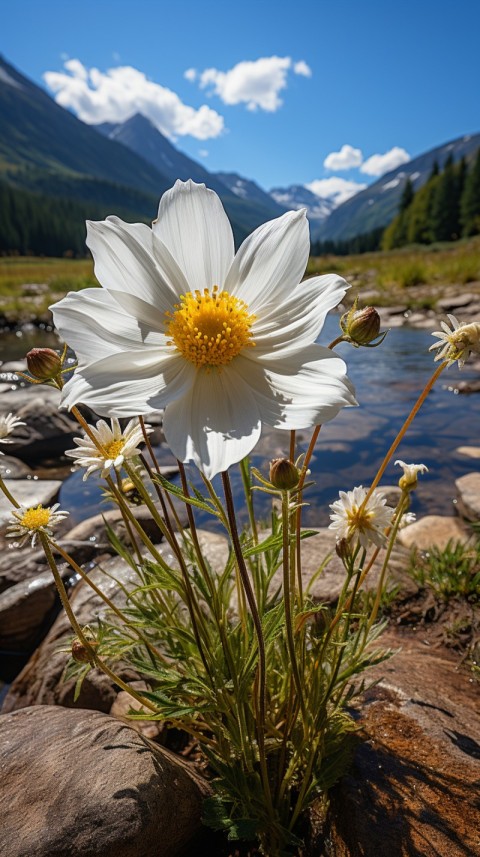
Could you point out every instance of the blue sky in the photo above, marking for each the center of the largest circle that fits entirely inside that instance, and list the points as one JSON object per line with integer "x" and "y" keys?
{"x": 273, "y": 89}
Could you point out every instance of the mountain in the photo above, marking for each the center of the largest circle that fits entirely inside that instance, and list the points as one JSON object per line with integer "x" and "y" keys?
{"x": 378, "y": 204}
{"x": 44, "y": 148}
{"x": 298, "y": 196}
{"x": 247, "y": 209}
{"x": 247, "y": 189}
{"x": 142, "y": 137}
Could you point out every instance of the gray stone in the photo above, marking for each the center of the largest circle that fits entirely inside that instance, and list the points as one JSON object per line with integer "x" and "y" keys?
{"x": 455, "y": 301}
{"x": 468, "y": 488}
{"x": 48, "y": 431}
{"x": 83, "y": 784}
{"x": 19, "y": 564}
{"x": 13, "y": 468}
{"x": 24, "y": 610}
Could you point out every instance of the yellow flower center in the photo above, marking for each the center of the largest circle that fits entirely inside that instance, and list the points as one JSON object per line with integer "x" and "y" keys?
{"x": 210, "y": 329}
{"x": 35, "y": 518}
{"x": 359, "y": 519}
{"x": 114, "y": 449}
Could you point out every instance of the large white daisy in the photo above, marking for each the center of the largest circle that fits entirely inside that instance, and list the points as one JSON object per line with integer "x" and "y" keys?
{"x": 223, "y": 342}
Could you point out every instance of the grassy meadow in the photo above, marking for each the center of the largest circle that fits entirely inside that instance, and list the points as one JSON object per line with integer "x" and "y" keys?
{"x": 415, "y": 277}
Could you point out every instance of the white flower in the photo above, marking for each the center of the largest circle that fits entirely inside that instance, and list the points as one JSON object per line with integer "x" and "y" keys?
{"x": 223, "y": 342}
{"x": 30, "y": 522}
{"x": 457, "y": 342}
{"x": 407, "y": 519}
{"x": 409, "y": 479}
{"x": 113, "y": 446}
{"x": 352, "y": 521}
{"x": 7, "y": 424}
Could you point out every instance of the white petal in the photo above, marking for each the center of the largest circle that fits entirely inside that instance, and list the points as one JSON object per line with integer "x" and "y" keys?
{"x": 215, "y": 424}
{"x": 193, "y": 225}
{"x": 271, "y": 261}
{"x": 299, "y": 390}
{"x": 124, "y": 261}
{"x": 95, "y": 326}
{"x": 300, "y": 318}
{"x": 128, "y": 384}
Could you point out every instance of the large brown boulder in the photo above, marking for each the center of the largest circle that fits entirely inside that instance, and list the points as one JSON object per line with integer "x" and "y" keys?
{"x": 412, "y": 790}
{"x": 82, "y": 784}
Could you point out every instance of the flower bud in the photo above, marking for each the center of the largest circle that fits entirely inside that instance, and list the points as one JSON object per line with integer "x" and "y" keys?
{"x": 361, "y": 326}
{"x": 283, "y": 474}
{"x": 80, "y": 653}
{"x": 44, "y": 363}
{"x": 343, "y": 549}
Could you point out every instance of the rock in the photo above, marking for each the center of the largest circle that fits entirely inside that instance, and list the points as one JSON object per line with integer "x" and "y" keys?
{"x": 13, "y": 468}
{"x": 468, "y": 488}
{"x": 468, "y": 387}
{"x": 454, "y": 301}
{"x": 41, "y": 680}
{"x": 82, "y": 784}
{"x": 469, "y": 451}
{"x": 435, "y": 531}
{"x": 412, "y": 788}
{"x": 124, "y": 704}
{"x": 48, "y": 431}
{"x": 19, "y": 564}
{"x": 25, "y": 609}
{"x": 28, "y": 492}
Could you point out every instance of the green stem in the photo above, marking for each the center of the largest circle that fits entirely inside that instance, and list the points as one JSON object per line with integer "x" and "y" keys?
{"x": 262, "y": 664}
{"x": 288, "y": 599}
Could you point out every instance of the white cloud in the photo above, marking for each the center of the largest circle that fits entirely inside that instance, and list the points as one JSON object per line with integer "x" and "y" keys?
{"x": 254, "y": 83}
{"x": 345, "y": 159}
{"x": 335, "y": 188}
{"x": 302, "y": 68}
{"x": 190, "y": 74}
{"x": 119, "y": 93}
{"x": 377, "y": 165}
{"x": 203, "y": 153}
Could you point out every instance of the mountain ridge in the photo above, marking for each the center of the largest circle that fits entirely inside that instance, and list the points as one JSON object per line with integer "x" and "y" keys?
{"x": 378, "y": 204}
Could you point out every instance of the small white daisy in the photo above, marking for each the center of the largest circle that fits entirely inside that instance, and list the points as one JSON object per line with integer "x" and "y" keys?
{"x": 410, "y": 474}
{"x": 458, "y": 342}
{"x": 30, "y": 522}
{"x": 7, "y": 424}
{"x": 353, "y": 521}
{"x": 113, "y": 446}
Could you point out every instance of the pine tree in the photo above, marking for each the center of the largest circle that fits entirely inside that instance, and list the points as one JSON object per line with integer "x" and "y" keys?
{"x": 445, "y": 224}
{"x": 470, "y": 201}
{"x": 419, "y": 230}
{"x": 407, "y": 195}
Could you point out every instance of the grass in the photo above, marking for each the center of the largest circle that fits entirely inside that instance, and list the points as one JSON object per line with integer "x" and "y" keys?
{"x": 402, "y": 275}
{"x": 28, "y": 285}
{"x": 453, "y": 572}
{"x": 413, "y": 276}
